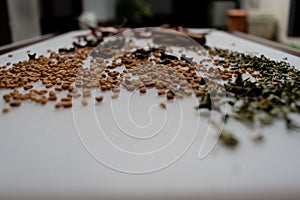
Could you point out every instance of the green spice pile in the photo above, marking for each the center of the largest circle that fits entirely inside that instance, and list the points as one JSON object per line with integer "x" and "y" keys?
{"x": 261, "y": 90}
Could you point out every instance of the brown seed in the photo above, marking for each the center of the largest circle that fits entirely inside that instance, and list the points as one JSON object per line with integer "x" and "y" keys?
{"x": 159, "y": 86}
{"x": 48, "y": 85}
{"x": 43, "y": 100}
{"x": 58, "y": 89}
{"x": 72, "y": 88}
{"x": 67, "y": 104}
{"x": 33, "y": 91}
{"x": 116, "y": 90}
{"x": 103, "y": 87}
{"x": 115, "y": 95}
{"x": 7, "y": 98}
{"x": 76, "y": 95}
{"x": 52, "y": 93}
{"x": 52, "y": 98}
{"x": 42, "y": 92}
{"x": 170, "y": 95}
{"x": 86, "y": 93}
{"x": 15, "y": 104}
{"x": 5, "y": 110}
{"x": 143, "y": 90}
{"x": 10, "y": 55}
{"x": 65, "y": 86}
{"x": 163, "y": 105}
{"x": 161, "y": 92}
{"x": 226, "y": 65}
{"x": 27, "y": 87}
{"x": 198, "y": 93}
{"x": 65, "y": 99}
{"x": 149, "y": 84}
{"x": 99, "y": 98}
{"x": 58, "y": 105}
{"x": 84, "y": 102}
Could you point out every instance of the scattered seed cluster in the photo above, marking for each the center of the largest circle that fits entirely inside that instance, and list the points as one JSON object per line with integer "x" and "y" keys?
{"x": 257, "y": 88}
{"x": 55, "y": 73}
{"x": 143, "y": 70}
{"x": 40, "y": 79}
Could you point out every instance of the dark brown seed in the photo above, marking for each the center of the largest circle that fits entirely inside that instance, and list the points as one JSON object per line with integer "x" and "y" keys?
{"x": 15, "y": 104}
{"x": 27, "y": 87}
{"x": 161, "y": 92}
{"x": 65, "y": 99}
{"x": 67, "y": 104}
{"x": 99, "y": 98}
{"x": 143, "y": 90}
{"x": 65, "y": 86}
{"x": 170, "y": 95}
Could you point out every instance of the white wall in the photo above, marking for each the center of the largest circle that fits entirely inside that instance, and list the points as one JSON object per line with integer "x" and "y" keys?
{"x": 23, "y": 19}
{"x": 280, "y": 10}
{"x": 103, "y": 9}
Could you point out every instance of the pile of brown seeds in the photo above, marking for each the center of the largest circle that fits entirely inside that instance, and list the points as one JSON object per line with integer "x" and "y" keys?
{"x": 55, "y": 73}
{"x": 40, "y": 79}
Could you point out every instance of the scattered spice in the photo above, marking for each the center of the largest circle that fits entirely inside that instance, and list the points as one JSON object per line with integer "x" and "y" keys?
{"x": 272, "y": 92}
{"x": 66, "y": 104}
{"x": 163, "y": 105}
{"x": 115, "y": 95}
{"x": 5, "y": 110}
{"x": 143, "y": 90}
{"x": 257, "y": 88}
{"x": 226, "y": 136}
{"x": 228, "y": 139}
{"x": 170, "y": 95}
{"x": 84, "y": 102}
{"x": 99, "y": 98}
{"x": 15, "y": 104}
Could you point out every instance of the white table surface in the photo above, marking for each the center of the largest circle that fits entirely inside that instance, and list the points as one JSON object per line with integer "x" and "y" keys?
{"x": 46, "y": 152}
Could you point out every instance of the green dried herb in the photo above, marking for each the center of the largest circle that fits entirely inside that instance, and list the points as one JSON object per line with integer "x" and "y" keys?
{"x": 273, "y": 93}
{"x": 228, "y": 139}
{"x": 226, "y": 136}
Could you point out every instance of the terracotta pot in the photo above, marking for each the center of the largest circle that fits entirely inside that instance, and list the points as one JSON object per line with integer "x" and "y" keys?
{"x": 237, "y": 20}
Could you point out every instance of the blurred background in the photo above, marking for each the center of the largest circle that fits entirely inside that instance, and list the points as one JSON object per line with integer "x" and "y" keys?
{"x": 270, "y": 19}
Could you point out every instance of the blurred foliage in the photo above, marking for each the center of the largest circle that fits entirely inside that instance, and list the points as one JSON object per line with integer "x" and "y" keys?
{"x": 133, "y": 12}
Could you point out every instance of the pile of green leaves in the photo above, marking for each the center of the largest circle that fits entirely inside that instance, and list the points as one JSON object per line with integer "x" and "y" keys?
{"x": 273, "y": 94}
